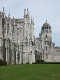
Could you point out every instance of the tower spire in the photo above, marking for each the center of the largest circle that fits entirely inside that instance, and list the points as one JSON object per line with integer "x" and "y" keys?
{"x": 27, "y": 11}
{"x": 3, "y": 9}
{"x": 9, "y": 15}
{"x": 31, "y": 19}
{"x": 24, "y": 11}
{"x": 46, "y": 20}
{"x": 3, "y": 12}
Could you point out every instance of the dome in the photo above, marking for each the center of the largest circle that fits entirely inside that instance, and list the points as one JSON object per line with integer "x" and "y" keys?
{"x": 46, "y": 26}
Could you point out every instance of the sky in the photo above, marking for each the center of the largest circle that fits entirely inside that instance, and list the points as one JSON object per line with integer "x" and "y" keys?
{"x": 40, "y": 10}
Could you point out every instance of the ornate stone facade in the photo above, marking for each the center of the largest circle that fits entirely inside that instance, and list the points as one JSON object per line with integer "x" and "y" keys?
{"x": 48, "y": 50}
{"x": 18, "y": 44}
{"x": 17, "y": 39}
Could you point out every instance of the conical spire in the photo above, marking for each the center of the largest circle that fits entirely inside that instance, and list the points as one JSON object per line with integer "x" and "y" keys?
{"x": 13, "y": 17}
{"x": 9, "y": 15}
{"x": 24, "y": 11}
{"x": 3, "y": 9}
{"x": 46, "y": 20}
{"x": 27, "y": 10}
{"x": 3, "y": 12}
{"x": 31, "y": 20}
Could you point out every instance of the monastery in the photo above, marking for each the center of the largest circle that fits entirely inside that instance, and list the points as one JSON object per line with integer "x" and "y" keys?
{"x": 18, "y": 44}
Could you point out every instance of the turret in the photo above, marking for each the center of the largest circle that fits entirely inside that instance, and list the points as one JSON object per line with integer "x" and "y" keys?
{"x": 9, "y": 15}
{"x": 32, "y": 21}
{"x": 46, "y": 39}
{"x": 27, "y": 11}
{"x": 3, "y": 12}
{"x": 32, "y": 29}
{"x": 24, "y": 13}
{"x": 3, "y": 9}
{"x": 26, "y": 20}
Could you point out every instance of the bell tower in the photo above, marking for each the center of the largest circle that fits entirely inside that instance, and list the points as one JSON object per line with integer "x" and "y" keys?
{"x": 46, "y": 39}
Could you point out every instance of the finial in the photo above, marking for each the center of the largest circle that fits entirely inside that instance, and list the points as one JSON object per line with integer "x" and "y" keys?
{"x": 3, "y": 12}
{"x": 31, "y": 19}
{"x": 9, "y": 15}
{"x": 24, "y": 11}
{"x": 46, "y": 20}
{"x": 27, "y": 9}
{"x": 3, "y": 9}
{"x": 13, "y": 17}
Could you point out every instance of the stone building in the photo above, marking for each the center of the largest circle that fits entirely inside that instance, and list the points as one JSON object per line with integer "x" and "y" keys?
{"x": 18, "y": 44}
{"x": 17, "y": 39}
{"x": 48, "y": 50}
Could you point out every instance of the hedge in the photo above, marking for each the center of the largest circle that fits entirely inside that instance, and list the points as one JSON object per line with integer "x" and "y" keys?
{"x": 3, "y": 63}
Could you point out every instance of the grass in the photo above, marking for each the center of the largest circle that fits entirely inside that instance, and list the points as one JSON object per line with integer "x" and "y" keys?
{"x": 30, "y": 72}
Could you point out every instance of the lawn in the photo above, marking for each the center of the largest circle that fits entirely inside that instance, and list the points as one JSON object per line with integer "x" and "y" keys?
{"x": 30, "y": 72}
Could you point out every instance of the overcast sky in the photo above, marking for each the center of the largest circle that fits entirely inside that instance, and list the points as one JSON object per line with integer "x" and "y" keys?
{"x": 40, "y": 10}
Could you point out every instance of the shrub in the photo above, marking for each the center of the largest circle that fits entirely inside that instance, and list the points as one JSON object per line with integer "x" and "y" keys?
{"x": 3, "y": 63}
{"x": 46, "y": 63}
{"x": 27, "y": 63}
{"x": 40, "y": 61}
